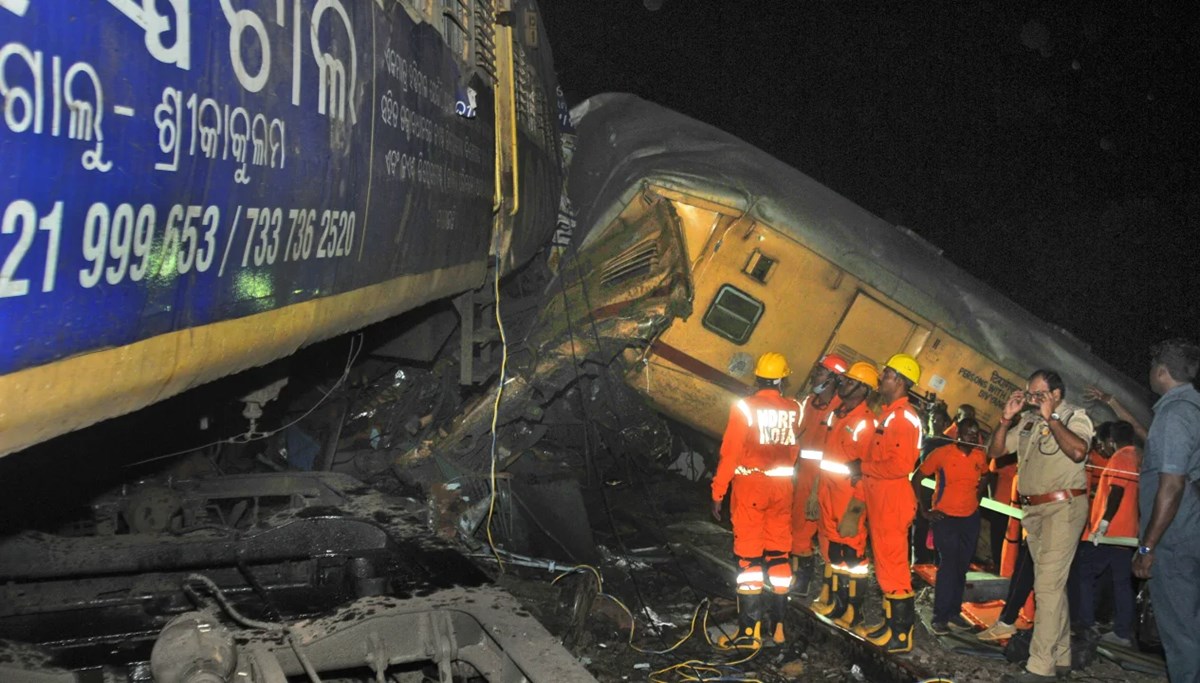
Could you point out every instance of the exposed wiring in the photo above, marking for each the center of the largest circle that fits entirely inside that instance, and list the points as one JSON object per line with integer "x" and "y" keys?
{"x": 632, "y": 622}
{"x": 496, "y": 414}
{"x": 697, "y": 667}
{"x": 248, "y": 437}
{"x": 285, "y": 629}
{"x": 656, "y": 516}
{"x": 588, "y": 450}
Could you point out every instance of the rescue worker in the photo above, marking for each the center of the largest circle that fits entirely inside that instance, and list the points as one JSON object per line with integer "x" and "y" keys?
{"x": 1113, "y": 514}
{"x": 758, "y": 456}
{"x": 805, "y": 510}
{"x": 937, "y": 421}
{"x": 958, "y": 470}
{"x": 842, "y": 505}
{"x": 1051, "y": 438}
{"x": 891, "y": 504}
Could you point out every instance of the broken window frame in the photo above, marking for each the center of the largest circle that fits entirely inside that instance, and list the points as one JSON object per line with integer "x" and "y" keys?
{"x": 715, "y": 306}
{"x": 758, "y": 258}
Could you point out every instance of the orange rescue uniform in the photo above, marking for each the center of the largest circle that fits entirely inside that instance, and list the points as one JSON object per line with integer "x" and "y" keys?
{"x": 1004, "y": 481}
{"x": 847, "y": 437}
{"x": 808, "y": 465}
{"x": 1121, "y": 470}
{"x": 1096, "y": 462}
{"x": 758, "y": 456}
{"x": 891, "y": 504}
{"x": 957, "y": 477}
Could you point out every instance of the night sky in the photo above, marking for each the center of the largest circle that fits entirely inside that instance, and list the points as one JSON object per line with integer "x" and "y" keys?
{"x": 1048, "y": 148}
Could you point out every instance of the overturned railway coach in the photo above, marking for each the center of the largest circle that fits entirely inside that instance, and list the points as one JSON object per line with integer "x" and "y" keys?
{"x": 706, "y": 252}
{"x": 195, "y": 188}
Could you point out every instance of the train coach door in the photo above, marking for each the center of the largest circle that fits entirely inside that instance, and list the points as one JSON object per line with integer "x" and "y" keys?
{"x": 872, "y": 331}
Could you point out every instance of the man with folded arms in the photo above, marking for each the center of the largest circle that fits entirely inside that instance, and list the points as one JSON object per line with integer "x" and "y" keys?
{"x": 1051, "y": 439}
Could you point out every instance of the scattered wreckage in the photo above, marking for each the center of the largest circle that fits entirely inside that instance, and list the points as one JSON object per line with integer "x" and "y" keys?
{"x": 531, "y": 441}
{"x": 260, "y": 578}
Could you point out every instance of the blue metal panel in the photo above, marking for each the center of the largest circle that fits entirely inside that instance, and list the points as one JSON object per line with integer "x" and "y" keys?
{"x": 172, "y": 163}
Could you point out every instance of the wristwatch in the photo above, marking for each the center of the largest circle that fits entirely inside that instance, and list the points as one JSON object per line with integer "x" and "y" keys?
{"x": 1144, "y": 550}
{"x": 1055, "y": 416}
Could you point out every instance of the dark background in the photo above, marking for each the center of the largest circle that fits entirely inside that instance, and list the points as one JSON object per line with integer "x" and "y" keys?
{"x": 1049, "y": 148}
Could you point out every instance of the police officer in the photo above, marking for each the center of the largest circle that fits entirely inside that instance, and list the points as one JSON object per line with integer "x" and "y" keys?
{"x": 1051, "y": 438}
{"x": 758, "y": 457}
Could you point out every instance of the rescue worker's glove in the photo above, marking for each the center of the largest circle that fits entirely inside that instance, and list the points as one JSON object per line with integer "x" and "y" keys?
{"x": 716, "y": 510}
{"x": 1101, "y": 530}
{"x": 812, "y": 509}
{"x": 855, "y": 467}
{"x": 849, "y": 525}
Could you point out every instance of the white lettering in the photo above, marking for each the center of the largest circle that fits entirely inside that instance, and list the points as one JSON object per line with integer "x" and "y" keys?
{"x": 239, "y": 21}
{"x": 334, "y": 89}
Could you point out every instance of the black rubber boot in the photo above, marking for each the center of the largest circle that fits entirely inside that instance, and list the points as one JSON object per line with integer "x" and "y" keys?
{"x": 875, "y": 629}
{"x": 776, "y": 613}
{"x": 852, "y": 615}
{"x": 825, "y": 597}
{"x": 897, "y": 638}
{"x": 749, "y": 634}
{"x": 838, "y": 597}
{"x": 802, "y": 574}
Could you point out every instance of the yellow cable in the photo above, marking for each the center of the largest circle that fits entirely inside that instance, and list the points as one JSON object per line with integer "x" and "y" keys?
{"x": 496, "y": 414}
{"x": 692, "y": 664}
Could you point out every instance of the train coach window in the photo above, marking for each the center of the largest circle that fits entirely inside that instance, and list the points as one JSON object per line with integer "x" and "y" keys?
{"x": 733, "y": 314}
{"x": 759, "y": 266}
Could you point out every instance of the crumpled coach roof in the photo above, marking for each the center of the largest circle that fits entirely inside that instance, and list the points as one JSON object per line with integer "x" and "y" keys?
{"x": 623, "y": 140}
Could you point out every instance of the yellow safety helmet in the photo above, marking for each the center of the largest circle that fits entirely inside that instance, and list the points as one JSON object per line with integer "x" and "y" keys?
{"x": 906, "y": 366}
{"x": 772, "y": 365}
{"x": 865, "y": 373}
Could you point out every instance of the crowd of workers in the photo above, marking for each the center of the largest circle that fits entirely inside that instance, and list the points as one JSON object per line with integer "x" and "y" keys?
{"x": 825, "y": 474}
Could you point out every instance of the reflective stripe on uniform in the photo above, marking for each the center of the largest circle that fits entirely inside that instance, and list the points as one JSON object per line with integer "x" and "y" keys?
{"x": 781, "y": 471}
{"x": 912, "y": 419}
{"x": 811, "y": 455}
{"x": 858, "y": 570}
{"x": 750, "y": 578}
{"x": 780, "y": 581}
{"x": 915, "y": 422}
{"x": 835, "y": 467}
{"x": 746, "y": 411}
{"x": 857, "y": 430}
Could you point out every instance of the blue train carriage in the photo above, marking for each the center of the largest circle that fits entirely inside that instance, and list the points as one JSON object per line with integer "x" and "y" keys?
{"x": 192, "y": 188}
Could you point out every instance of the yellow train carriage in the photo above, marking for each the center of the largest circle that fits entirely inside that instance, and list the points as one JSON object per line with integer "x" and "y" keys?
{"x": 777, "y": 262}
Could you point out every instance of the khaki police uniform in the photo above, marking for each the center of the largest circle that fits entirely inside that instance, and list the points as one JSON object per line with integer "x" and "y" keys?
{"x": 1053, "y": 528}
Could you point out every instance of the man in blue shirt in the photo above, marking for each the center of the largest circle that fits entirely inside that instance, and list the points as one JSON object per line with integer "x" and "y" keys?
{"x": 1169, "y": 506}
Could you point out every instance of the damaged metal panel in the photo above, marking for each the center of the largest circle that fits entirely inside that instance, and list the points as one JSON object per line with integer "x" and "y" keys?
{"x": 977, "y": 340}
{"x": 603, "y": 301}
{"x": 333, "y": 578}
{"x": 195, "y": 188}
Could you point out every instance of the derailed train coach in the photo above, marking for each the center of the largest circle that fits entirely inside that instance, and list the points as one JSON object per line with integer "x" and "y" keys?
{"x": 195, "y": 188}
{"x": 697, "y": 252}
